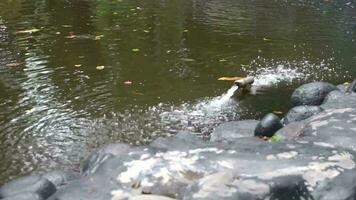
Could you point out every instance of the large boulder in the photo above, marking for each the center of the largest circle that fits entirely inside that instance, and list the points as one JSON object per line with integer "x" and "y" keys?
{"x": 28, "y": 184}
{"x": 311, "y": 93}
{"x": 333, "y": 95}
{"x": 268, "y": 126}
{"x": 300, "y": 113}
{"x": 230, "y": 131}
{"x": 292, "y": 131}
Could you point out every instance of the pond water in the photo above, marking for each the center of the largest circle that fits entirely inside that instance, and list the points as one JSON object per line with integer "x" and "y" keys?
{"x": 78, "y": 74}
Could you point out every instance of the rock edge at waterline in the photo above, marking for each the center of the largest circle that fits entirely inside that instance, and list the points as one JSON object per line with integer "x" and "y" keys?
{"x": 310, "y": 154}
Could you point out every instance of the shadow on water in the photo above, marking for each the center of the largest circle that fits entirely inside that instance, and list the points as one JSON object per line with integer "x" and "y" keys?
{"x": 56, "y": 106}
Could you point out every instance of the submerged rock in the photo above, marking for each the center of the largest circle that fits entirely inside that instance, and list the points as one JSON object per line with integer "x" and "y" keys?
{"x": 311, "y": 93}
{"x": 300, "y": 113}
{"x": 230, "y": 131}
{"x": 268, "y": 126}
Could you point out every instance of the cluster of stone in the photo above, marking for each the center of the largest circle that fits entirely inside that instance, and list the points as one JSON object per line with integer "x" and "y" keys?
{"x": 310, "y": 155}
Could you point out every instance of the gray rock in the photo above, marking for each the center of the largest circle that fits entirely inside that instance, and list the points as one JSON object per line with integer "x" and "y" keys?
{"x": 32, "y": 184}
{"x": 352, "y": 87}
{"x": 342, "y": 87}
{"x": 333, "y": 95}
{"x": 25, "y": 196}
{"x": 291, "y": 131}
{"x": 348, "y": 100}
{"x": 230, "y": 131}
{"x": 300, "y": 113}
{"x": 332, "y": 128}
{"x": 311, "y": 93}
{"x": 268, "y": 126}
{"x": 59, "y": 178}
{"x": 98, "y": 157}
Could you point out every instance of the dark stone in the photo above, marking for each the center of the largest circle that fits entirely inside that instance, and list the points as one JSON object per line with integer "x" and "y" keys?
{"x": 300, "y": 113}
{"x": 311, "y": 93}
{"x": 352, "y": 87}
{"x": 268, "y": 126}
{"x": 291, "y": 188}
{"x": 24, "y": 196}
{"x": 230, "y": 131}
{"x": 33, "y": 184}
{"x": 59, "y": 178}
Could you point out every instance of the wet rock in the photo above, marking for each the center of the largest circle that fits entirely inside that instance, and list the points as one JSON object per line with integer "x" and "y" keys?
{"x": 348, "y": 100}
{"x": 342, "y": 87}
{"x": 60, "y": 178}
{"x": 343, "y": 187}
{"x": 300, "y": 113}
{"x": 291, "y": 131}
{"x": 25, "y": 196}
{"x": 268, "y": 126}
{"x": 30, "y": 184}
{"x": 333, "y": 95}
{"x": 311, "y": 93}
{"x": 230, "y": 131}
{"x": 290, "y": 187}
{"x": 226, "y": 185}
{"x": 352, "y": 87}
{"x": 98, "y": 157}
{"x": 332, "y": 128}
{"x": 183, "y": 140}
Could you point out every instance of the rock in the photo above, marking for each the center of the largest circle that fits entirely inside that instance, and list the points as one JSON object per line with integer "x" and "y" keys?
{"x": 230, "y": 131}
{"x": 342, "y": 87}
{"x": 311, "y": 93}
{"x": 290, "y": 187}
{"x": 97, "y": 158}
{"x": 32, "y": 184}
{"x": 352, "y": 87}
{"x": 347, "y": 100}
{"x": 333, "y": 95}
{"x": 340, "y": 188}
{"x": 332, "y": 128}
{"x": 268, "y": 126}
{"x": 59, "y": 178}
{"x": 291, "y": 131}
{"x": 300, "y": 113}
{"x": 24, "y": 196}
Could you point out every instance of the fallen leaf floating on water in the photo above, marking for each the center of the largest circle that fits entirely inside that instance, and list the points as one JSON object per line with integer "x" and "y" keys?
{"x": 235, "y": 78}
{"x": 99, "y": 37}
{"x": 13, "y": 64}
{"x": 128, "y": 82}
{"x": 29, "y": 31}
{"x": 78, "y": 65}
{"x": 100, "y": 67}
{"x": 187, "y": 59}
{"x": 135, "y": 50}
{"x": 266, "y": 39}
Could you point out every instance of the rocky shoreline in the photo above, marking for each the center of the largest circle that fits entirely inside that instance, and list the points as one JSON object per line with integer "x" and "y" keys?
{"x": 309, "y": 154}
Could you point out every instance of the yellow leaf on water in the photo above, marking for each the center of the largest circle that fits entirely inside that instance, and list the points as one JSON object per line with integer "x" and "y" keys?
{"x": 135, "y": 50}
{"x": 128, "y": 82}
{"x": 29, "y": 31}
{"x": 98, "y": 37}
{"x": 78, "y": 65}
{"x": 235, "y": 78}
{"x": 100, "y": 67}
